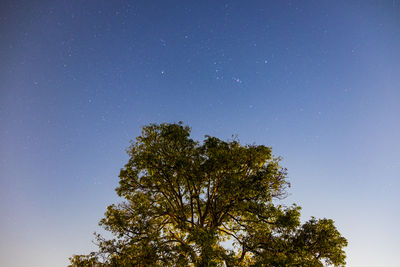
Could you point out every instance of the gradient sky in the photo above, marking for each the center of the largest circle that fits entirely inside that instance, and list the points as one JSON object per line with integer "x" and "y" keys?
{"x": 319, "y": 81}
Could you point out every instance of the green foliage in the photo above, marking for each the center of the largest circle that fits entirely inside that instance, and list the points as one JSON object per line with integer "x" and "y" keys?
{"x": 185, "y": 200}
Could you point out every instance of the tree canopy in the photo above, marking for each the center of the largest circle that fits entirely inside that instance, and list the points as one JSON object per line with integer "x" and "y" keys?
{"x": 212, "y": 203}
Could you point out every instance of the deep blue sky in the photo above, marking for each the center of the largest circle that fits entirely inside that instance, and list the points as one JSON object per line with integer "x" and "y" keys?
{"x": 319, "y": 81}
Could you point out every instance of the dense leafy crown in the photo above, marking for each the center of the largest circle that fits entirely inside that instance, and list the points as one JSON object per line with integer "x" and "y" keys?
{"x": 207, "y": 204}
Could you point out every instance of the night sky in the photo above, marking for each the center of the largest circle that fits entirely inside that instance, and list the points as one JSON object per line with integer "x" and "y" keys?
{"x": 319, "y": 81}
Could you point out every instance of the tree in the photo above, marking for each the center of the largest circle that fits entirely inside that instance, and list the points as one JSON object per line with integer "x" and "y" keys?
{"x": 207, "y": 204}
